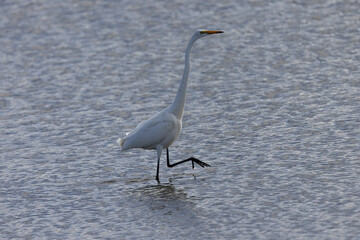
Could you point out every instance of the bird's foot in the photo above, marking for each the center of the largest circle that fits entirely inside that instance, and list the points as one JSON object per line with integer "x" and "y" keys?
{"x": 201, "y": 163}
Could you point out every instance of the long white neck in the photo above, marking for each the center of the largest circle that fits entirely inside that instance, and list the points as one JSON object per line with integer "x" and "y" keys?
{"x": 177, "y": 107}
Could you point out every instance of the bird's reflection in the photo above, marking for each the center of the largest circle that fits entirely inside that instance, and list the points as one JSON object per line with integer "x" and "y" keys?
{"x": 162, "y": 192}
{"x": 167, "y": 198}
{"x": 169, "y": 206}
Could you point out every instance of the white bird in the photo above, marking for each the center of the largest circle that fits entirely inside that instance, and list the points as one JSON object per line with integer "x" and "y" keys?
{"x": 162, "y": 129}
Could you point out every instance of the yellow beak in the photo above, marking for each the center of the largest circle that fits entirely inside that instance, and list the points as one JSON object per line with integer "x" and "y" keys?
{"x": 211, "y": 32}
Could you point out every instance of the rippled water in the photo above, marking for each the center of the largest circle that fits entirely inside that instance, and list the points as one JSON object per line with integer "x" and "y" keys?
{"x": 273, "y": 106}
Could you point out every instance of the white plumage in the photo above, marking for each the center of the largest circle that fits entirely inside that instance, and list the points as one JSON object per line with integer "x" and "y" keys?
{"x": 162, "y": 129}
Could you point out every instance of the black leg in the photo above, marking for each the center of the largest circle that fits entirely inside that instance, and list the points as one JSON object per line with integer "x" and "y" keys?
{"x": 192, "y": 159}
{"x": 157, "y": 170}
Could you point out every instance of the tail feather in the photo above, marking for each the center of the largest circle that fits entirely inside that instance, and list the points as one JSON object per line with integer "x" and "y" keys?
{"x": 121, "y": 143}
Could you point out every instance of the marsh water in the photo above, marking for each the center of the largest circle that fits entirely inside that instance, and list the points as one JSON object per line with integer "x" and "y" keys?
{"x": 273, "y": 106}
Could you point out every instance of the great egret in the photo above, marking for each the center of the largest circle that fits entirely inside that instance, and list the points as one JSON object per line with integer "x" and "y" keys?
{"x": 162, "y": 129}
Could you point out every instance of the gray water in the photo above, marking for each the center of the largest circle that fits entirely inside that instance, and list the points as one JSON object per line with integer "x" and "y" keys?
{"x": 273, "y": 105}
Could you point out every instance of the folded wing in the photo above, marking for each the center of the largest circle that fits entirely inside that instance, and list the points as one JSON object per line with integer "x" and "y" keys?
{"x": 163, "y": 128}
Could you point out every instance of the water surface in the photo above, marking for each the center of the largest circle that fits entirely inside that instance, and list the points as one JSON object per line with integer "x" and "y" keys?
{"x": 273, "y": 106}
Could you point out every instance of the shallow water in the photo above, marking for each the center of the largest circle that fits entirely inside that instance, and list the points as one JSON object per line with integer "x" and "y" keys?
{"x": 273, "y": 106}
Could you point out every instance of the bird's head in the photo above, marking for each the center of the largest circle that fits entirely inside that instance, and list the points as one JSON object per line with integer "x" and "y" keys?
{"x": 202, "y": 33}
